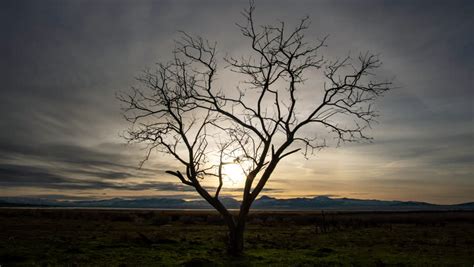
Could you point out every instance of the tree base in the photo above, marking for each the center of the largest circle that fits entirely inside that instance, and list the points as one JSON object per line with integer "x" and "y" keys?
{"x": 235, "y": 247}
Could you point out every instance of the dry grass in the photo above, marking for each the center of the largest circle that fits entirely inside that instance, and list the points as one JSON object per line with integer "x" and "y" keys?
{"x": 74, "y": 237}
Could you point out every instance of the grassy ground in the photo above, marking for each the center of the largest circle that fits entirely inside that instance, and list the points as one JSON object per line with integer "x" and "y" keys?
{"x": 129, "y": 238}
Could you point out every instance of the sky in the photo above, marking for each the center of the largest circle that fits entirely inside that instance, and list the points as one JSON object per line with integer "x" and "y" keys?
{"x": 62, "y": 62}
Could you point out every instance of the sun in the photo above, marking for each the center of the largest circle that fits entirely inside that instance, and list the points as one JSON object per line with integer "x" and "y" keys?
{"x": 234, "y": 174}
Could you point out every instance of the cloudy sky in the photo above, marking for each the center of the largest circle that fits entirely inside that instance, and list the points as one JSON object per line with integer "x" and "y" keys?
{"x": 61, "y": 63}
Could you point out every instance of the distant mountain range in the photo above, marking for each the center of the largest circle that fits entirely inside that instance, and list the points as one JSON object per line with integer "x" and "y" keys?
{"x": 263, "y": 203}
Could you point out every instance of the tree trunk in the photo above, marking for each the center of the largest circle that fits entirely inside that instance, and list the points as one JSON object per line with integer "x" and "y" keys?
{"x": 236, "y": 239}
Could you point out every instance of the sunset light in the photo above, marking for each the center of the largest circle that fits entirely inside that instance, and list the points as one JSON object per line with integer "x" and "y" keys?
{"x": 234, "y": 174}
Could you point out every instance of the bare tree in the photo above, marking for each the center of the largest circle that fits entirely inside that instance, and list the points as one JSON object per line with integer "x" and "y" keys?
{"x": 178, "y": 111}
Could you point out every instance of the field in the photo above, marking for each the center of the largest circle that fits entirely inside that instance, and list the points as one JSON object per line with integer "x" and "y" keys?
{"x": 90, "y": 237}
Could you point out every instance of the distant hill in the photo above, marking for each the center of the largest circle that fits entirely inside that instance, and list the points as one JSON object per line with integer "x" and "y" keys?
{"x": 263, "y": 203}
{"x": 17, "y": 204}
{"x": 324, "y": 202}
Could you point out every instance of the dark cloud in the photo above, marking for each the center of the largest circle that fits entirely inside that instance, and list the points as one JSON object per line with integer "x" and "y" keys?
{"x": 27, "y": 175}
{"x": 64, "y": 153}
{"x": 105, "y": 174}
{"x": 69, "y": 167}
{"x": 15, "y": 176}
{"x": 41, "y": 177}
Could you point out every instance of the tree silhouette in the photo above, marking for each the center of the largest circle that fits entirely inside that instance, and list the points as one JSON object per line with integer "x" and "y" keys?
{"x": 177, "y": 110}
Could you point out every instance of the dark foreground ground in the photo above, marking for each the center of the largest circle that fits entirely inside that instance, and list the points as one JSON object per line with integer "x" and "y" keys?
{"x": 62, "y": 237}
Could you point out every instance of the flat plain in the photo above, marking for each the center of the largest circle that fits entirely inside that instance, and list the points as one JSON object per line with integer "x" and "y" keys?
{"x": 95, "y": 237}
